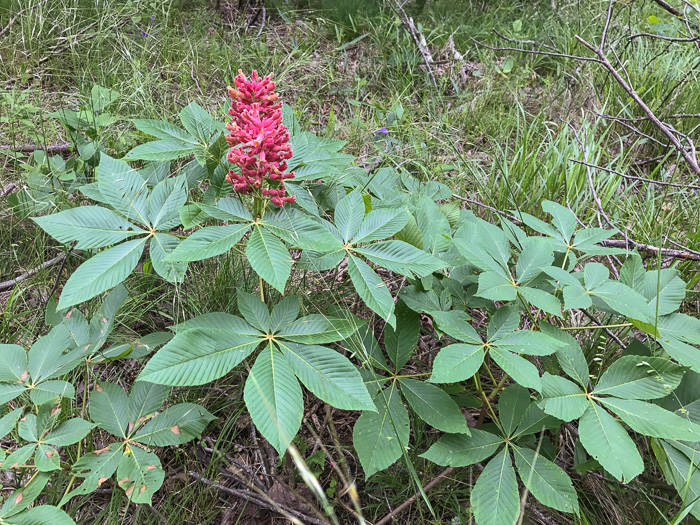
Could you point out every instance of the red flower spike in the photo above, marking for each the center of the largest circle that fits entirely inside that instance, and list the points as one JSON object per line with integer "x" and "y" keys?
{"x": 258, "y": 139}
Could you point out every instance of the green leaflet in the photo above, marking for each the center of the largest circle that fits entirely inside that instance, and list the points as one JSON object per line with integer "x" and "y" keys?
{"x": 495, "y": 497}
{"x": 176, "y": 425}
{"x": 399, "y": 343}
{"x": 269, "y": 257}
{"x": 90, "y": 226}
{"x": 274, "y": 399}
{"x": 434, "y": 406}
{"x": 461, "y": 450}
{"x": 547, "y": 481}
{"x": 197, "y": 356}
{"x": 371, "y": 289}
{"x": 380, "y": 437}
{"x": 101, "y": 272}
{"x": 605, "y": 440}
{"x": 209, "y": 242}
{"x": 561, "y": 398}
{"x": 328, "y": 375}
{"x": 639, "y": 377}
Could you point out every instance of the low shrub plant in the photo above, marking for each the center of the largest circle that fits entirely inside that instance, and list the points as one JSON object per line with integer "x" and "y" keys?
{"x": 516, "y": 311}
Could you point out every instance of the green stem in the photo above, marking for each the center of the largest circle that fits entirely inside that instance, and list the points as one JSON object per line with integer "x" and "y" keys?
{"x": 500, "y": 384}
{"x": 485, "y": 400}
{"x": 262, "y": 292}
{"x": 413, "y": 375}
{"x": 596, "y": 327}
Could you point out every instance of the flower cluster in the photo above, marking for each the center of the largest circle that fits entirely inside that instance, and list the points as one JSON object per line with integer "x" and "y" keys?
{"x": 259, "y": 142}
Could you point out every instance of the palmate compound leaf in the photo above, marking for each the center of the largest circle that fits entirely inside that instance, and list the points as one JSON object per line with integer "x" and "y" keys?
{"x": 139, "y": 474}
{"x": 606, "y": 440}
{"x": 274, "y": 398}
{"x": 461, "y": 450}
{"x": 495, "y": 497}
{"x": 434, "y": 406}
{"x": 640, "y": 377}
{"x": 371, "y": 289}
{"x": 328, "y": 375}
{"x": 197, "y": 356}
{"x": 175, "y": 425}
{"x": 101, "y": 272}
{"x": 380, "y": 437}
{"x": 90, "y": 226}
{"x": 269, "y": 258}
{"x": 545, "y": 480}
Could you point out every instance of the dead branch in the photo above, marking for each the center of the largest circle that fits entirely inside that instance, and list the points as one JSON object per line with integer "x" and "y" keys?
{"x": 12, "y": 20}
{"x": 668, "y": 131}
{"x": 27, "y": 148}
{"x": 398, "y": 510}
{"x": 416, "y": 35}
{"x": 533, "y": 52}
{"x": 6, "y": 285}
{"x": 271, "y": 505}
{"x": 668, "y": 7}
{"x": 9, "y": 188}
{"x": 636, "y": 178}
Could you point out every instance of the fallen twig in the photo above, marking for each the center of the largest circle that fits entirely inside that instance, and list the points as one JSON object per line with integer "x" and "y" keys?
{"x": 634, "y": 177}
{"x": 274, "y": 506}
{"x": 533, "y": 52}
{"x": 6, "y": 285}
{"x": 12, "y": 20}
{"x": 398, "y": 510}
{"x": 416, "y": 35}
{"x": 9, "y": 188}
{"x": 668, "y": 7}
{"x": 26, "y": 148}
{"x": 666, "y": 130}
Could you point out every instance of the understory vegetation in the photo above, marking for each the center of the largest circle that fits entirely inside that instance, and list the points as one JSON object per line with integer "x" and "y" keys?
{"x": 368, "y": 261}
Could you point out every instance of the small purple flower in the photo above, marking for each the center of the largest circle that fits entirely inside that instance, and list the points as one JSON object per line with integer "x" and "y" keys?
{"x": 144, "y": 34}
{"x": 382, "y": 131}
{"x": 153, "y": 19}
